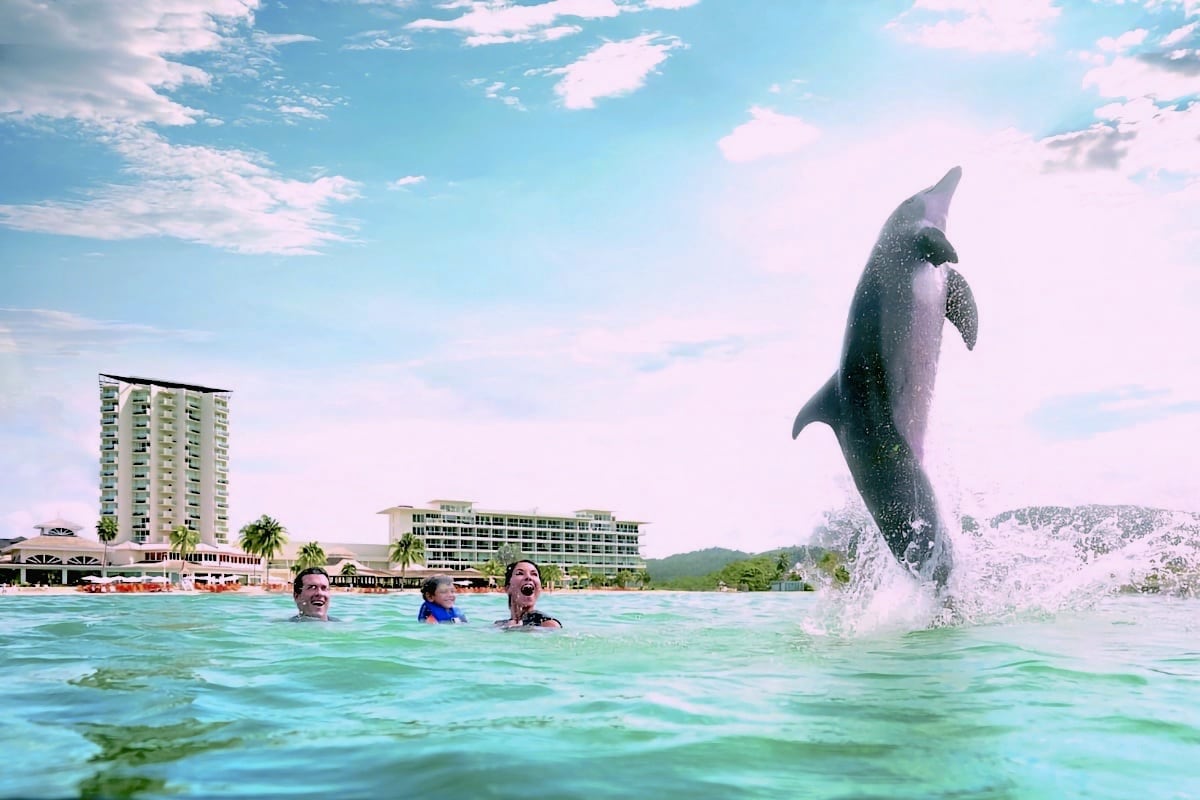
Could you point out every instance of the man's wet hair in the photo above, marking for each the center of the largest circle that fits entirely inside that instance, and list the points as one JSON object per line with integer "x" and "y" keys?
{"x": 508, "y": 571}
{"x": 298, "y": 581}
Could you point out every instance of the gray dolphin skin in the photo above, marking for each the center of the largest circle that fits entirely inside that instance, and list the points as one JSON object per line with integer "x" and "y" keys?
{"x": 878, "y": 400}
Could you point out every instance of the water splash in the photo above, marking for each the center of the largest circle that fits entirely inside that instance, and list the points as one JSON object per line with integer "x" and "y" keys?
{"x": 1022, "y": 564}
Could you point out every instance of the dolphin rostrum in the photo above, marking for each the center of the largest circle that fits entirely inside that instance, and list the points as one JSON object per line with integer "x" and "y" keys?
{"x": 878, "y": 400}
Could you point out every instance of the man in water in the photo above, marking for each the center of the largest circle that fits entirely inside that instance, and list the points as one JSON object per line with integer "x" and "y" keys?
{"x": 524, "y": 585}
{"x": 310, "y": 590}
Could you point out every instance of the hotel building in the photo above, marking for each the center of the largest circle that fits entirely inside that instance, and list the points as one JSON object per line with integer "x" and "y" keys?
{"x": 456, "y": 536}
{"x": 164, "y": 459}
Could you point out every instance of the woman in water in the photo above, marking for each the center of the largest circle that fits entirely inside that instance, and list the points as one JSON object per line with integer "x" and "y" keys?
{"x": 524, "y": 585}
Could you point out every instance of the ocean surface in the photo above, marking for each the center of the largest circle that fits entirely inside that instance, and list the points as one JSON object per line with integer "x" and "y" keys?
{"x": 644, "y": 693}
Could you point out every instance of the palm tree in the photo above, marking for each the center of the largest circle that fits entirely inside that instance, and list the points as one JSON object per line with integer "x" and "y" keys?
{"x": 248, "y": 540}
{"x": 310, "y": 555}
{"x": 493, "y": 570}
{"x": 551, "y": 574}
{"x": 408, "y": 549}
{"x": 272, "y": 536}
{"x": 106, "y": 531}
{"x": 184, "y": 541}
{"x": 643, "y": 577}
{"x": 624, "y": 578}
{"x": 581, "y": 574}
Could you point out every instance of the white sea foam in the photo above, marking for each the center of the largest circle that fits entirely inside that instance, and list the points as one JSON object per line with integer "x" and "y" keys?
{"x": 1007, "y": 566}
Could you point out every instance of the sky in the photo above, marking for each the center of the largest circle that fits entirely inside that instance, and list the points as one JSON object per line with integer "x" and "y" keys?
{"x": 593, "y": 253}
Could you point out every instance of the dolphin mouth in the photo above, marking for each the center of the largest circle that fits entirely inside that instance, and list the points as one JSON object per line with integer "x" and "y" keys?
{"x": 938, "y": 197}
{"x": 948, "y": 183}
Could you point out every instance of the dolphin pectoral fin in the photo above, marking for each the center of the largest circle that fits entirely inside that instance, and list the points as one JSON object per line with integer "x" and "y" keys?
{"x": 822, "y": 407}
{"x": 960, "y": 307}
{"x": 935, "y": 247}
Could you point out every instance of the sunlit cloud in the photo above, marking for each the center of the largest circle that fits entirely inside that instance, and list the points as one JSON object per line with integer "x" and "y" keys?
{"x": 378, "y": 40}
{"x": 502, "y": 22}
{"x": 407, "y": 180}
{"x": 613, "y": 69}
{"x": 224, "y": 198}
{"x": 978, "y": 25}
{"x": 769, "y": 133}
{"x": 111, "y": 63}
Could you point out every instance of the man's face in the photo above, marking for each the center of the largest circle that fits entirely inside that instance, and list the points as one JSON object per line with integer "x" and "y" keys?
{"x": 313, "y": 600}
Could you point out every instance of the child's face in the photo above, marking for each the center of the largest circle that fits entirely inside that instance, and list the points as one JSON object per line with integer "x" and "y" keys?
{"x": 444, "y": 596}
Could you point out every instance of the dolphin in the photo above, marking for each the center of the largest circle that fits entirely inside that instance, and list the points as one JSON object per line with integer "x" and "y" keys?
{"x": 878, "y": 400}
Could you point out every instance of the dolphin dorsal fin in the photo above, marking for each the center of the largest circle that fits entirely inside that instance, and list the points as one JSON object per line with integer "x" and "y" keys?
{"x": 822, "y": 407}
{"x": 935, "y": 247}
{"x": 960, "y": 307}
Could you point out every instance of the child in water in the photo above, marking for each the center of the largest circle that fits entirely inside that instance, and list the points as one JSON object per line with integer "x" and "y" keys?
{"x": 438, "y": 607}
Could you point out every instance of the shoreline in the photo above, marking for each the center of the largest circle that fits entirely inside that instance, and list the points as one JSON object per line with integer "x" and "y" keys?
{"x": 61, "y": 591}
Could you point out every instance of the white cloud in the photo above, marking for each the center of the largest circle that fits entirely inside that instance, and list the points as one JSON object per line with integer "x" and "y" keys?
{"x": 768, "y": 134}
{"x": 540, "y": 35}
{"x": 671, "y": 4}
{"x": 1179, "y": 34}
{"x": 499, "y": 90}
{"x": 1139, "y": 77}
{"x": 613, "y": 69}
{"x": 1136, "y": 138}
{"x": 1124, "y": 42}
{"x": 978, "y": 25}
{"x": 378, "y": 40}
{"x": 498, "y": 22}
{"x": 109, "y": 63}
{"x": 49, "y": 332}
{"x": 224, "y": 198}
{"x": 280, "y": 39}
{"x": 407, "y": 180}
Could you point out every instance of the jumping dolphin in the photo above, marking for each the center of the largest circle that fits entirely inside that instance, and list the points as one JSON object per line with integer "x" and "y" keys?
{"x": 878, "y": 400}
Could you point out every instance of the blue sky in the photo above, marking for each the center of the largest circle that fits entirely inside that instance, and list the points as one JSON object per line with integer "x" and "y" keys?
{"x": 593, "y": 253}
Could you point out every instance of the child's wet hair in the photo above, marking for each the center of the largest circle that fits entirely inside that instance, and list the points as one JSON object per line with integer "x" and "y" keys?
{"x": 430, "y": 585}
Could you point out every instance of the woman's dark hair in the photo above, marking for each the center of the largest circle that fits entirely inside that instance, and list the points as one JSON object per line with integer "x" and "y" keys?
{"x": 508, "y": 571}
{"x": 430, "y": 585}
{"x": 298, "y": 581}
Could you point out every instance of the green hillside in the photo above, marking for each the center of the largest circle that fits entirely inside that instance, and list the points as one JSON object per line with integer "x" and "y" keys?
{"x": 693, "y": 564}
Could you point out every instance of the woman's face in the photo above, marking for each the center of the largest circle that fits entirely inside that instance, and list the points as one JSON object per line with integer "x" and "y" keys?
{"x": 525, "y": 584}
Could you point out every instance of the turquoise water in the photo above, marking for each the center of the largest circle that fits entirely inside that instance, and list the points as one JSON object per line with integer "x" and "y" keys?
{"x": 658, "y": 694}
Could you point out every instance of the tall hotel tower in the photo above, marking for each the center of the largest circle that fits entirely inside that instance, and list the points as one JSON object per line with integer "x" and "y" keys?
{"x": 164, "y": 459}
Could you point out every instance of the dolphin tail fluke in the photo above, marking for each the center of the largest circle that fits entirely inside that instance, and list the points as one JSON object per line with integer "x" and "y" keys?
{"x": 823, "y": 407}
{"x": 960, "y": 307}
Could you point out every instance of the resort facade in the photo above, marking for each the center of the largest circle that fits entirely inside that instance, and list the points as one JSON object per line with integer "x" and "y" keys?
{"x": 456, "y": 536}
{"x": 164, "y": 459}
